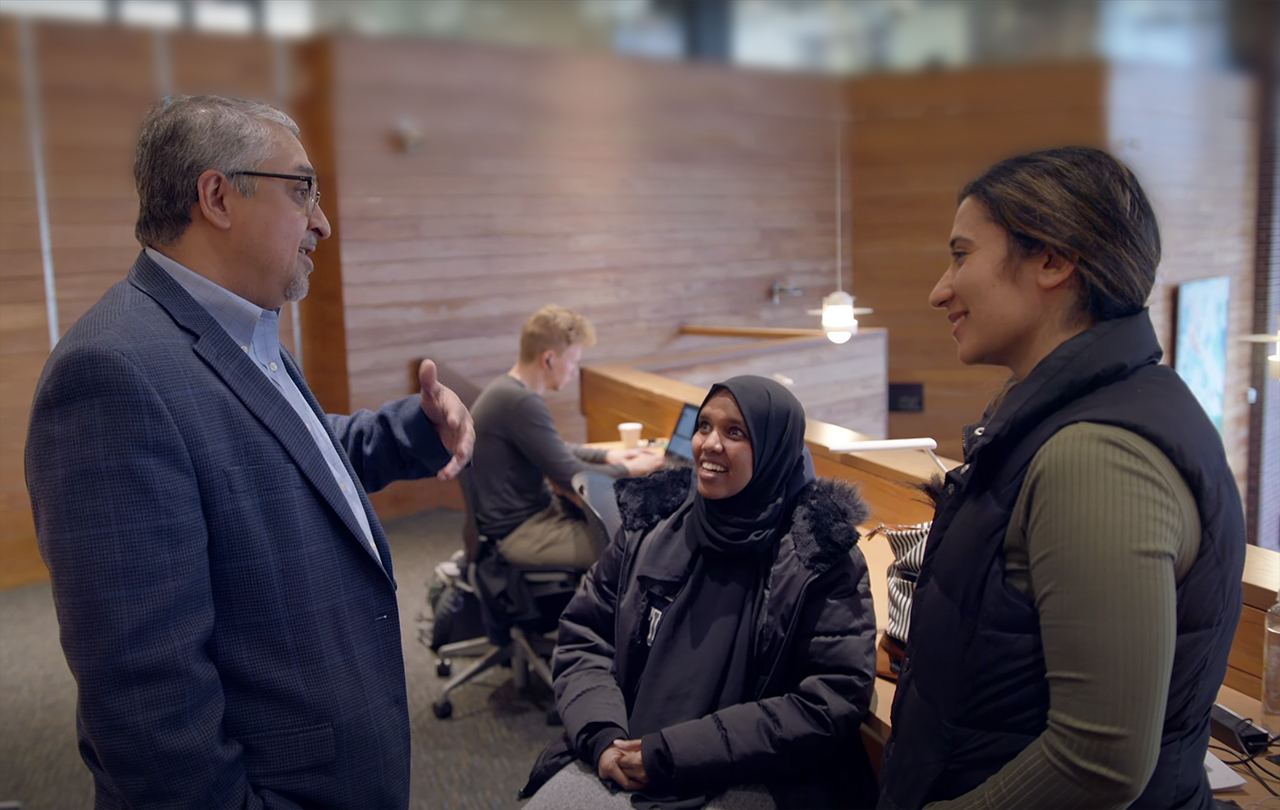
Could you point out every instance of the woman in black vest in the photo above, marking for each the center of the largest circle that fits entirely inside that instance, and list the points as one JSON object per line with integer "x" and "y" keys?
{"x": 726, "y": 638}
{"x": 1081, "y": 580}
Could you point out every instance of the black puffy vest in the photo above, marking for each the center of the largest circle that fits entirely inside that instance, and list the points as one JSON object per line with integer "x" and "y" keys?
{"x": 973, "y": 692}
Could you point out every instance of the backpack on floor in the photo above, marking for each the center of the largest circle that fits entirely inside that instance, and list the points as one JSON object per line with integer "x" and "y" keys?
{"x": 454, "y": 608}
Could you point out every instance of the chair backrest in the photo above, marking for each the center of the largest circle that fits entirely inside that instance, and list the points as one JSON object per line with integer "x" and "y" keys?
{"x": 530, "y": 598}
{"x": 449, "y": 377}
{"x": 600, "y": 505}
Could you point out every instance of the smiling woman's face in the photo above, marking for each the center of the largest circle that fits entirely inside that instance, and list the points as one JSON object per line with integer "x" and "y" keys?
{"x": 994, "y": 304}
{"x": 722, "y": 448}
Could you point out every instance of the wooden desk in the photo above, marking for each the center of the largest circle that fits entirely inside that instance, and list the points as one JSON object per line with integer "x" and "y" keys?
{"x": 1261, "y": 576}
{"x": 616, "y": 444}
{"x": 1252, "y": 790}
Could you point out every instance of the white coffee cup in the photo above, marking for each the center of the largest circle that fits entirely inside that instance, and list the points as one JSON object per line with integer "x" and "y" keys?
{"x": 630, "y": 433}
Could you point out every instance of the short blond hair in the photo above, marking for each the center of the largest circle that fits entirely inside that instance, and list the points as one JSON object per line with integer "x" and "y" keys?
{"x": 556, "y": 328}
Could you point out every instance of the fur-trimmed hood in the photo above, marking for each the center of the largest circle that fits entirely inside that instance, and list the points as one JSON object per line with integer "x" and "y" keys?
{"x": 823, "y": 522}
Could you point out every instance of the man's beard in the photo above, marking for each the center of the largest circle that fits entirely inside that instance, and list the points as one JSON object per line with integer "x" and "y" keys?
{"x": 298, "y": 287}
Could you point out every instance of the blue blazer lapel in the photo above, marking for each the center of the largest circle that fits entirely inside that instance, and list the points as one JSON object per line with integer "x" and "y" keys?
{"x": 259, "y": 396}
{"x": 375, "y": 526}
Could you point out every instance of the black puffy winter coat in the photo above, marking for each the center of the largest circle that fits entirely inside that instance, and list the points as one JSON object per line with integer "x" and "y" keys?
{"x": 814, "y": 650}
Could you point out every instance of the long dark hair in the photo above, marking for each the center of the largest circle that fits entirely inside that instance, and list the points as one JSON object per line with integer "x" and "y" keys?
{"x": 1087, "y": 205}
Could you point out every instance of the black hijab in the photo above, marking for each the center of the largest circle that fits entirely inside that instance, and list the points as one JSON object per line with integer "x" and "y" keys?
{"x": 725, "y": 547}
{"x": 746, "y": 522}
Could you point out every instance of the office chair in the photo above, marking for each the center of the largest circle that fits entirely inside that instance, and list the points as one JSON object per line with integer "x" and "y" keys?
{"x": 600, "y": 504}
{"x": 467, "y": 392}
{"x": 518, "y": 614}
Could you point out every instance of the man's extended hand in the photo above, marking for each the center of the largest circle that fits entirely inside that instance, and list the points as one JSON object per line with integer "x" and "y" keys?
{"x": 622, "y": 763}
{"x": 451, "y": 420}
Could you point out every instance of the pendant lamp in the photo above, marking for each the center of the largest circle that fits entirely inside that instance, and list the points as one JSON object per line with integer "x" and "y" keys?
{"x": 1273, "y": 361}
{"x": 839, "y": 315}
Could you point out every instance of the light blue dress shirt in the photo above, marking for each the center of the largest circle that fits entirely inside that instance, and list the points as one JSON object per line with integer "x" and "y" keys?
{"x": 257, "y": 332}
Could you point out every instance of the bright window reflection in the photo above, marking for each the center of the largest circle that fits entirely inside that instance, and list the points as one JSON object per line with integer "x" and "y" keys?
{"x": 288, "y": 18}
{"x": 151, "y": 13}
{"x": 856, "y": 36}
{"x": 223, "y": 16}
{"x": 841, "y": 37}
{"x": 74, "y": 9}
{"x": 1173, "y": 33}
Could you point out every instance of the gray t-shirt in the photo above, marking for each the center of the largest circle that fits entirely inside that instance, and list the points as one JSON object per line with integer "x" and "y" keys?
{"x": 518, "y": 449}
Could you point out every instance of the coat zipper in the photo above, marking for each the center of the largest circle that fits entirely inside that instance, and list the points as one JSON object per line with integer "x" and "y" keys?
{"x": 791, "y": 627}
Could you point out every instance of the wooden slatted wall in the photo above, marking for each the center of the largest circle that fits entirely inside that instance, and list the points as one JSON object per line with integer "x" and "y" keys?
{"x": 916, "y": 140}
{"x": 642, "y": 194}
{"x": 24, "y": 327}
{"x": 1192, "y": 139}
{"x": 645, "y": 195}
{"x": 839, "y": 384}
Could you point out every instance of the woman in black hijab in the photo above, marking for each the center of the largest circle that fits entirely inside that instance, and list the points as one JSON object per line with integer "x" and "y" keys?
{"x": 722, "y": 652}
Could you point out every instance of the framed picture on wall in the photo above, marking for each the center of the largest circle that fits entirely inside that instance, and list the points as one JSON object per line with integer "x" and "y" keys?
{"x": 1200, "y": 345}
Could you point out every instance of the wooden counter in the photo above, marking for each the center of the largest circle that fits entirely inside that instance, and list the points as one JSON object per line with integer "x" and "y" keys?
{"x": 613, "y": 394}
{"x": 1261, "y": 576}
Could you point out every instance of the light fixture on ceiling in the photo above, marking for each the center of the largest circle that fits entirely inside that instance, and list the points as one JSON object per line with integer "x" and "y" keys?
{"x": 839, "y": 315}
{"x": 838, "y": 320}
{"x": 1273, "y": 361}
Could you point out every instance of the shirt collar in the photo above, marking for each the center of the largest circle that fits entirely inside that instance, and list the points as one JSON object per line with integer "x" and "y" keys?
{"x": 238, "y": 317}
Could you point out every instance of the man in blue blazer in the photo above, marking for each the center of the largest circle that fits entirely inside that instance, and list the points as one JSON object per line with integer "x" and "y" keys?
{"x": 224, "y": 589}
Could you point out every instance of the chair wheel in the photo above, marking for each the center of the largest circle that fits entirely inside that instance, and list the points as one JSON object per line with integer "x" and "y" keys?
{"x": 444, "y": 667}
{"x": 443, "y": 709}
{"x": 553, "y": 717}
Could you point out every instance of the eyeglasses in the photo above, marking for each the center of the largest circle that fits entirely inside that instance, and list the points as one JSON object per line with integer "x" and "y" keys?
{"x": 313, "y": 185}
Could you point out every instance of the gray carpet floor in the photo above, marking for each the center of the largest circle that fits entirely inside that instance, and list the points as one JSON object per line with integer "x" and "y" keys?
{"x": 477, "y": 759}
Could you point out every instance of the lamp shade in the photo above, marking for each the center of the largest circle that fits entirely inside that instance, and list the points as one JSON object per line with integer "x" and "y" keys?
{"x": 837, "y": 317}
{"x": 1273, "y": 360}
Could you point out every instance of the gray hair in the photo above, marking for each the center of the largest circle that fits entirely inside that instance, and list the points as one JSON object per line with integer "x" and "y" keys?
{"x": 183, "y": 137}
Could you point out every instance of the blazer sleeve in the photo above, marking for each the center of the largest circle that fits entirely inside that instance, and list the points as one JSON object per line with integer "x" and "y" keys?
{"x": 830, "y": 677}
{"x": 587, "y": 694}
{"x": 120, "y": 523}
{"x": 393, "y": 443}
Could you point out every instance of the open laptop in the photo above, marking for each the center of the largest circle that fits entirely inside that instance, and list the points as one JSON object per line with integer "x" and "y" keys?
{"x": 680, "y": 447}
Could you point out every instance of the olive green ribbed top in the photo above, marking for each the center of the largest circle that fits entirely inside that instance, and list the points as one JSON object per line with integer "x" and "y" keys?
{"x": 1103, "y": 530}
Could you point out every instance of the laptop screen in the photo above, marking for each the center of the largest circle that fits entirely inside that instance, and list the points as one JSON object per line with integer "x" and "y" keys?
{"x": 681, "y": 443}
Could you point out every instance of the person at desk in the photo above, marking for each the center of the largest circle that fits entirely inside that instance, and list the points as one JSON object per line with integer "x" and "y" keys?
{"x": 1081, "y": 581}
{"x": 518, "y": 450}
{"x": 726, "y": 638}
